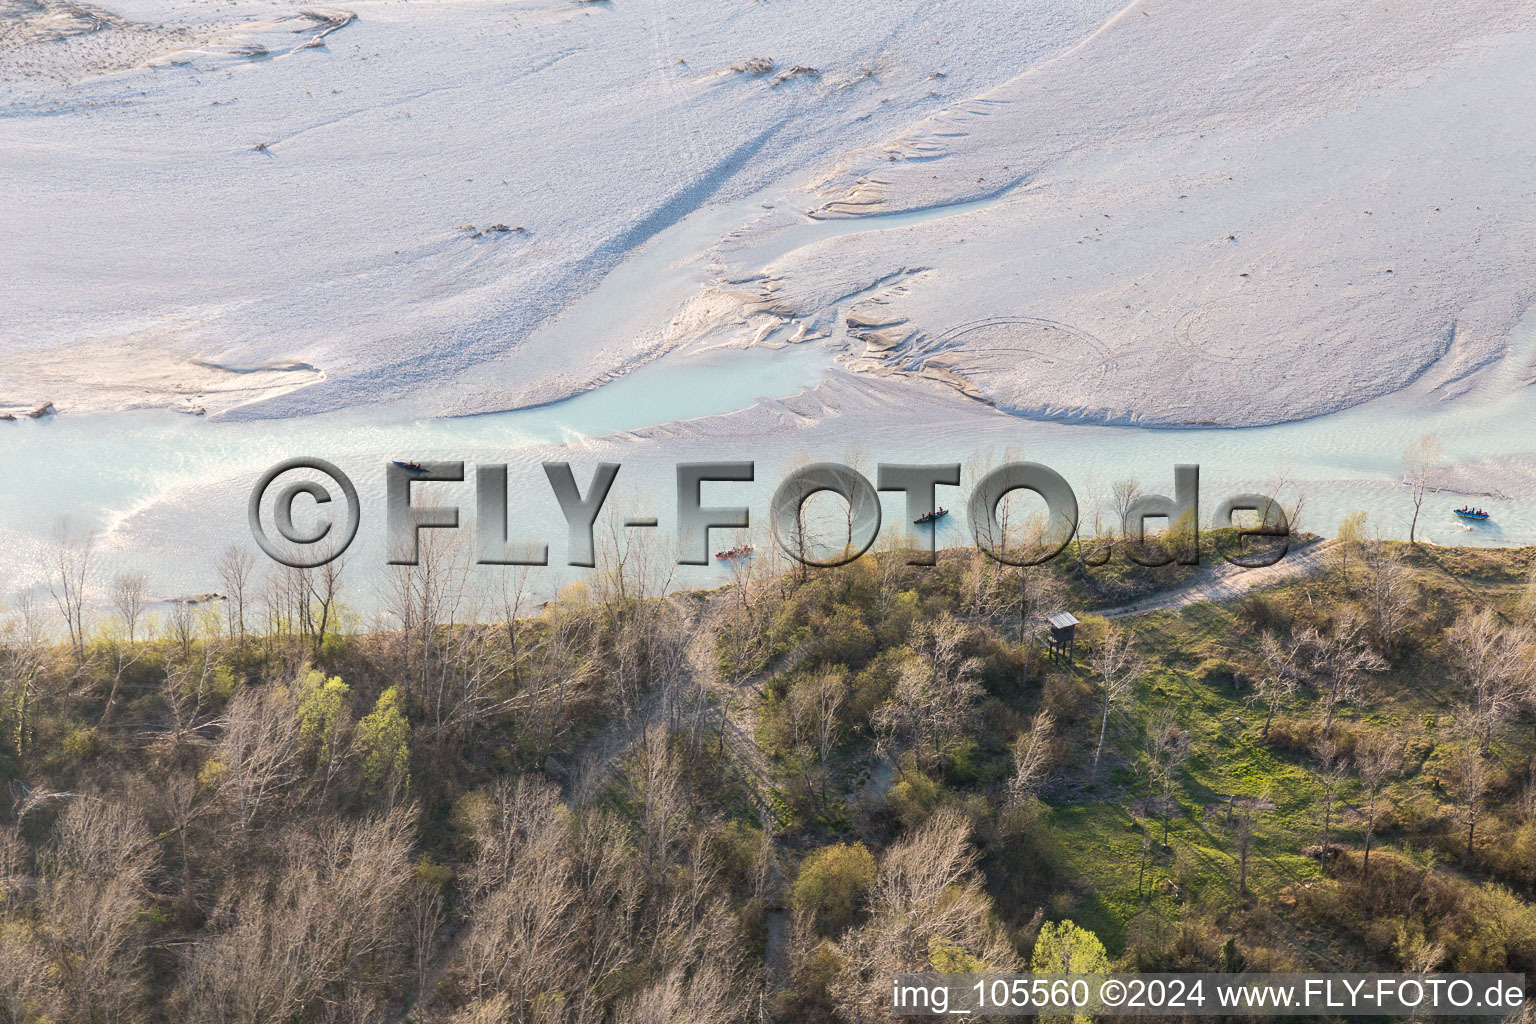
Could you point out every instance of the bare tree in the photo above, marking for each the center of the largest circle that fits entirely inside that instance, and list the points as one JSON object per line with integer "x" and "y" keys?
{"x": 1281, "y": 657}
{"x": 23, "y": 652}
{"x": 635, "y": 573}
{"x": 656, "y": 779}
{"x": 428, "y": 910}
{"x": 424, "y": 601}
{"x": 1031, "y": 758}
{"x": 1168, "y": 751}
{"x": 746, "y": 633}
{"x": 818, "y": 703}
{"x": 1389, "y": 592}
{"x": 322, "y": 600}
{"x": 937, "y": 690}
{"x": 516, "y": 596}
{"x": 1378, "y": 760}
{"x": 259, "y": 754}
{"x": 1495, "y": 660}
{"x": 1472, "y": 779}
{"x": 926, "y": 897}
{"x": 95, "y": 877}
{"x": 236, "y": 568}
{"x": 1419, "y": 460}
{"x": 984, "y": 594}
{"x": 525, "y": 892}
{"x": 129, "y": 596}
{"x": 69, "y": 565}
{"x": 1246, "y": 828}
{"x": 28, "y": 986}
{"x": 320, "y": 930}
{"x": 183, "y": 626}
{"x": 1123, "y": 495}
{"x": 1117, "y": 668}
{"x": 1341, "y": 659}
{"x": 1331, "y": 772}
{"x": 1041, "y": 595}
{"x": 912, "y": 713}
{"x": 1095, "y": 542}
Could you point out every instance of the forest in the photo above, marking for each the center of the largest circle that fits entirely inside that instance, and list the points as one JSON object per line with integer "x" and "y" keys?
{"x": 630, "y": 802}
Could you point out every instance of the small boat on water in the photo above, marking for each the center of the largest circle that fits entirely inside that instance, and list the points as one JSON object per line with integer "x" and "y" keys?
{"x": 739, "y": 551}
{"x": 1468, "y": 512}
{"x": 414, "y": 467}
{"x": 932, "y": 517}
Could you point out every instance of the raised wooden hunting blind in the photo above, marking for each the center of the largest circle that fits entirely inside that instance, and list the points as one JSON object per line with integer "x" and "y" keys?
{"x": 1063, "y": 635}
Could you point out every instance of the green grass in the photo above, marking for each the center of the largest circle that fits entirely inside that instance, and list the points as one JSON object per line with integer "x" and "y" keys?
{"x": 1197, "y": 661}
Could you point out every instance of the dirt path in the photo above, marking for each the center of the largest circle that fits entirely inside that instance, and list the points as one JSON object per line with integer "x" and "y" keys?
{"x": 1227, "y": 582}
{"x": 743, "y": 705}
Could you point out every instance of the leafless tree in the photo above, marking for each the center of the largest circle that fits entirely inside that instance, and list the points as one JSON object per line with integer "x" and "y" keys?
{"x": 1168, "y": 751}
{"x": 23, "y": 652}
{"x": 1246, "y": 827}
{"x": 1117, "y": 667}
{"x": 1041, "y": 595}
{"x": 815, "y": 707}
{"x": 1095, "y": 539}
{"x": 1419, "y": 460}
{"x": 1389, "y": 592}
{"x": 1031, "y": 758}
{"x": 937, "y": 690}
{"x": 925, "y": 897}
{"x": 425, "y": 601}
{"x": 985, "y": 596}
{"x": 1341, "y": 660}
{"x": 516, "y": 592}
{"x": 182, "y": 624}
{"x": 322, "y": 599}
{"x": 236, "y": 570}
{"x": 28, "y": 985}
{"x": 855, "y": 458}
{"x": 69, "y": 565}
{"x": 259, "y": 753}
{"x": 1281, "y": 658}
{"x": 1123, "y": 495}
{"x": 1472, "y": 780}
{"x": 892, "y": 572}
{"x": 525, "y": 892}
{"x": 129, "y": 596}
{"x": 1495, "y": 658}
{"x": 428, "y": 912}
{"x": 95, "y": 878}
{"x": 635, "y": 572}
{"x": 321, "y": 929}
{"x": 745, "y": 631}
{"x": 1290, "y": 495}
{"x": 1331, "y": 772}
{"x": 1378, "y": 760}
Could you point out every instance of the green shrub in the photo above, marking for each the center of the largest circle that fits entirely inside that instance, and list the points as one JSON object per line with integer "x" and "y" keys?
{"x": 831, "y": 884}
{"x": 1065, "y": 948}
{"x": 914, "y": 797}
{"x": 384, "y": 738}
{"x": 322, "y": 703}
{"x": 79, "y": 746}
